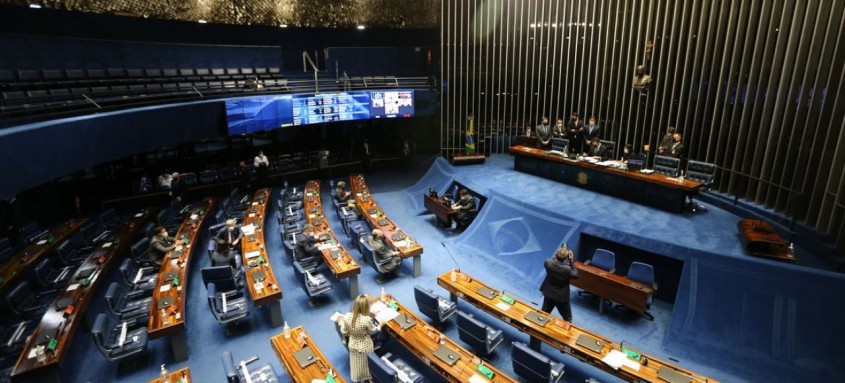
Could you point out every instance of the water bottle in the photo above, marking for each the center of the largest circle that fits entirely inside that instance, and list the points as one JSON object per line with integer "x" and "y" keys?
{"x": 165, "y": 376}
{"x": 286, "y": 330}
{"x": 681, "y": 177}
{"x": 383, "y": 295}
{"x": 453, "y": 276}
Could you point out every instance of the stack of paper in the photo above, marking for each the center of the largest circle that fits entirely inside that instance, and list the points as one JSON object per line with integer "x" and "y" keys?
{"x": 616, "y": 359}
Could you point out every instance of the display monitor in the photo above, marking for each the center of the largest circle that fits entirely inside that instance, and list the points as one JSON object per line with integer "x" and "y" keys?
{"x": 254, "y": 114}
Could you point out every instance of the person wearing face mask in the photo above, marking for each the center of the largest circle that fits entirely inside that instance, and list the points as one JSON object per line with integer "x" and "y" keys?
{"x": 575, "y": 133}
{"x": 544, "y": 133}
{"x": 161, "y": 244}
{"x": 627, "y": 153}
{"x": 592, "y": 130}
{"x": 231, "y": 234}
{"x": 559, "y": 131}
{"x": 676, "y": 149}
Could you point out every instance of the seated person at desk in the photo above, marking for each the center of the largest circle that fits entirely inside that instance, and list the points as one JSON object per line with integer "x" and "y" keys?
{"x": 555, "y": 288}
{"x": 224, "y": 256}
{"x": 383, "y": 253}
{"x": 343, "y": 196}
{"x": 306, "y": 244}
{"x": 161, "y": 244}
{"x": 230, "y": 235}
{"x": 597, "y": 149}
{"x": 627, "y": 153}
{"x": 465, "y": 210}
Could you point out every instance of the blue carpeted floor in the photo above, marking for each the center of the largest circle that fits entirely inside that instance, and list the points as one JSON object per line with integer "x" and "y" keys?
{"x": 516, "y": 229}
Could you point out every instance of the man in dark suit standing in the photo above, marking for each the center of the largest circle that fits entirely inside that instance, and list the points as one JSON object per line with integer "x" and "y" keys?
{"x": 544, "y": 133}
{"x": 592, "y": 130}
{"x": 575, "y": 133}
{"x": 676, "y": 148}
{"x": 555, "y": 288}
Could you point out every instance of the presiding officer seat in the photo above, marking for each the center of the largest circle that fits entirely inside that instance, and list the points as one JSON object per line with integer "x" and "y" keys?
{"x": 533, "y": 366}
{"x": 114, "y": 343}
{"x": 432, "y": 305}
{"x": 669, "y": 166}
{"x": 481, "y": 337}
{"x": 243, "y": 372}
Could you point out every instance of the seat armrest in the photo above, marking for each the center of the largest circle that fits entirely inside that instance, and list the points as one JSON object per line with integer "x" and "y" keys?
{"x": 251, "y": 359}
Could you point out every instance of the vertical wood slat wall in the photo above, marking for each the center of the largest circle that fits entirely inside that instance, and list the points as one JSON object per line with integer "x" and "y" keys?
{"x": 755, "y": 86}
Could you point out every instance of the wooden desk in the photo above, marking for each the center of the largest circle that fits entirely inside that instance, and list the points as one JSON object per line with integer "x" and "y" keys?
{"x": 99, "y": 262}
{"x": 422, "y": 340}
{"x": 179, "y": 376}
{"x": 376, "y": 218}
{"x": 22, "y": 263}
{"x": 285, "y": 349}
{"x": 266, "y": 292}
{"x": 558, "y": 333}
{"x": 344, "y": 266}
{"x": 619, "y": 289}
{"x": 761, "y": 240}
{"x": 175, "y": 313}
{"x": 655, "y": 190}
{"x": 442, "y": 211}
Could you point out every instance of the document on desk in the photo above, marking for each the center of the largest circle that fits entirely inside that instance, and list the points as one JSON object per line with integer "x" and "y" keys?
{"x": 503, "y": 306}
{"x": 107, "y": 245}
{"x": 72, "y": 287}
{"x": 325, "y": 246}
{"x": 475, "y": 378}
{"x": 248, "y": 229}
{"x": 252, "y": 254}
{"x": 164, "y": 288}
{"x": 616, "y": 359}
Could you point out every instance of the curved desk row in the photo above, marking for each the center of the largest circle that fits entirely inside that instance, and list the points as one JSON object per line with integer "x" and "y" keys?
{"x": 261, "y": 282}
{"x": 396, "y": 238}
{"x": 53, "y": 336}
{"x": 167, "y": 311}
{"x": 337, "y": 258}
{"x": 301, "y": 358}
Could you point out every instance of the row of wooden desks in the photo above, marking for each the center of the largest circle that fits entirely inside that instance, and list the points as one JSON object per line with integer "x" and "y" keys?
{"x": 337, "y": 258}
{"x": 629, "y": 293}
{"x": 655, "y": 190}
{"x": 261, "y": 282}
{"x": 396, "y": 238}
{"x": 167, "y": 311}
{"x": 301, "y": 358}
{"x": 182, "y": 375}
{"x": 51, "y": 340}
{"x": 25, "y": 260}
{"x": 582, "y": 344}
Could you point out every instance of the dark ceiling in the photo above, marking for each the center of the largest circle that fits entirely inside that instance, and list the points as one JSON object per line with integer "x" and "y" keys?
{"x": 293, "y": 13}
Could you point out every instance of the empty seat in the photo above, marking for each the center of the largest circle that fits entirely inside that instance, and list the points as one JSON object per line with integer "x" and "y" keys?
{"x": 125, "y": 306}
{"x": 248, "y": 370}
{"x": 116, "y": 73}
{"x": 391, "y": 369}
{"x": 141, "y": 280}
{"x": 153, "y": 74}
{"x": 534, "y": 366}
{"x": 50, "y": 277}
{"x": 643, "y": 273}
{"x": 227, "y": 306}
{"x": 434, "y": 306}
{"x": 482, "y": 338}
{"x": 31, "y": 232}
{"x": 136, "y": 74}
{"x": 29, "y": 75}
{"x": 314, "y": 283}
{"x": 68, "y": 254}
{"x": 117, "y": 341}
{"x": 13, "y": 338}
{"x": 53, "y": 75}
{"x": 109, "y": 218}
{"x": 603, "y": 259}
{"x": 667, "y": 165}
{"x": 23, "y": 301}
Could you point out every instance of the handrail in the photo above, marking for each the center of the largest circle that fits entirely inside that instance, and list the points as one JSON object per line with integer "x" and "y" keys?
{"x": 306, "y": 58}
{"x": 91, "y": 101}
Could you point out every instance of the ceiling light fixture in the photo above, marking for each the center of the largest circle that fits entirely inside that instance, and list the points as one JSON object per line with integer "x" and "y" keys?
{"x": 361, "y": 27}
{"x": 201, "y": 21}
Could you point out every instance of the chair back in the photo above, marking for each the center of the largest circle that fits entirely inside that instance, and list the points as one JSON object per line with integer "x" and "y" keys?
{"x": 99, "y": 330}
{"x": 529, "y": 364}
{"x": 427, "y": 303}
{"x": 641, "y": 272}
{"x": 559, "y": 144}
{"x": 610, "y": 147}
{"x": 667, "y": 165}
{"x": 109, "y": 217}
{"x": 5, "y": 254}
{"x": 28, "y": 230}
{"x": 18, "y": 296}
{"x": 43, "y": 269}
{"x": 379, "y": 371}
{"x": 163, "y": 216}
{"x": 229, "y": 368}
{"x": 64, "y": 250}
{"x": 604, "y": 259}
{"x": 112, "y": 296}
{"x": 5, "y": 243}
{"x": 472, "y": 331}
{"x": 222, "y": 276}
{"x": 700, "y": 171}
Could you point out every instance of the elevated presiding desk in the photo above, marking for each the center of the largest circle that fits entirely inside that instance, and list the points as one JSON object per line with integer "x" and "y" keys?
{"x": 182, "y": 375}
{"x": 646, "y": 188}
{"x": 22, "y": 263}
{"x": 337, "y": 258}
{"x": 301, "y": 358}
{"x": 260, "y": 280}
{"x": 629, "y": 293}
{"x": 453, "y": 362}
{"x": 50, "y": 343}
{"x": 167, "y": 311}
{"x": 623, "y": 362}
{"x": 395, "y": 238}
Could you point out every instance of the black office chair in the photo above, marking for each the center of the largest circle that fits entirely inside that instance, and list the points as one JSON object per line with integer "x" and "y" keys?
{"x": 13, "y": 338}
{"x": 314, "y": 283}
{"x": 24, "y": 302}
{"x": 482, "y": 338}
{"x": 534, "y": 366}
{"x": 124, "y": 307}
{"x": 31, "y": 232}
{"x": 50, "y": 277}
{"x": 669, "y": 166}
{"x": 243, "y": 372}
{"x": 704, "y": 173}
{"x": 391, "y": 369}
{"x": 109, "y": 340}
{"x": 434, "y": 306}
{"x": 227, "y": 306}
{"x": 140, "y": 252}
{"x": 560, "y": 144}
{"x": 68, "y": 254}
{"x": 140, "y": 280}
{"x": 109, "y": 218}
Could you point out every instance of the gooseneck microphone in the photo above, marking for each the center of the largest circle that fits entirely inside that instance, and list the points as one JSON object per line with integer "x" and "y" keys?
{"x": 450, "y": 256}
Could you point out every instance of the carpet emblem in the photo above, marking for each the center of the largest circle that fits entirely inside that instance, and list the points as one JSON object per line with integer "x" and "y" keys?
{"x": 512, "y": 236}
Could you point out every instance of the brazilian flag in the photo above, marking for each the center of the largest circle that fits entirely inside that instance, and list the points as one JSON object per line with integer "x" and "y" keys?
{"x": 469, "y": 146}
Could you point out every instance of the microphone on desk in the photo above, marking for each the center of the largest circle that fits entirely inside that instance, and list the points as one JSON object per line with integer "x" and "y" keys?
{"x": 450, "y": 256}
